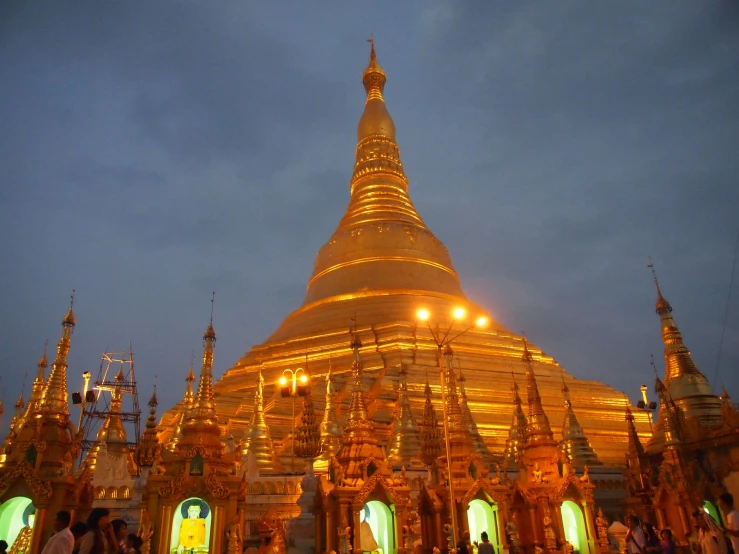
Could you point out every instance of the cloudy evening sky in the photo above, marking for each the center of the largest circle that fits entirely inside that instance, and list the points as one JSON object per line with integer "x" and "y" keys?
{"x": 151, "y": 152}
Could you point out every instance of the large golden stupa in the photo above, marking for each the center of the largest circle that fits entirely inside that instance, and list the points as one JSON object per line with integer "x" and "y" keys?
{"x": 378, "y": 268}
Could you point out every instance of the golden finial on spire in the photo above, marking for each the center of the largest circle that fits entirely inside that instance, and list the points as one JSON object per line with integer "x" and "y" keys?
{"x": 54, "y": 399}
{"x": 662, "y": 306}
{"x": 148, "y": 447}
{"x": 537, "y": 428}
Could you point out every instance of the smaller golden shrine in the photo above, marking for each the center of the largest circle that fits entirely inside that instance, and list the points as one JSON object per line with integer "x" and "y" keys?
{"x": 193, "y": 492}
{"x": 37, "y": 461}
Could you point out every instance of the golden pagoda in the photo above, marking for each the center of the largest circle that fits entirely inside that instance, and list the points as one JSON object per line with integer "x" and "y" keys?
{"x": 405, "y": 440}
{"x": 379, "y": 267}
{"x": 331, "y": 431}
{"x": 37, "y": 465}
{"x": 574, "y": 442}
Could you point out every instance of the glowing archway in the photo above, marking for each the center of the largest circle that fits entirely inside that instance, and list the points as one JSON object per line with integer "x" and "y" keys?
{"x": 712, "y": 510}
{"x": 574, "y": 526}
{"x": 482, "y": 516}
{"x": 14, "y": 517}
{"x": 382, "y": 523}
{"x": 191, "y": 527}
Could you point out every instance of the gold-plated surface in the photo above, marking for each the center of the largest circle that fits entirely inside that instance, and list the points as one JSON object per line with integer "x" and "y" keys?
{"x": 405, "y": 440}
{"x": 478, "y": 445}
{"x": 187, "y": 403}
{"x": 54, "y": 399}
{"x": 517, "y": 431}
{"x": 537, "y": 422}
{"x": 148, "y": 447}
{"x": 331, "y": 431}
{"x": 111, "y": 432}
{"x": 381, "y": 265}
{"x": 308, "y": 439}
{"x": 430, "y": 435}
{"x": 258, "y": 441}
{"x": 574, "y": 442}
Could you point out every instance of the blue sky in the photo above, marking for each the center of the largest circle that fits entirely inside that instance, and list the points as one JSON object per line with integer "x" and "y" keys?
{"x": 155, "y": 151}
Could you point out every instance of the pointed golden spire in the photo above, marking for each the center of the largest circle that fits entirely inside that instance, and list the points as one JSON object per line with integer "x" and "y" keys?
{"x": 517, "y": 431}
{"x": 330, "y": 427}
{"x": 635, "y": 448}
{"x": 667, "y": 417}
{"x": 431, "y": 440}
{"x": 148, "y": 447}
{"x": 574, "y": 442}
{"x": 537, "y": 427}
{"x": 258, "y": 441}
{"x": 111, "y": 432}
{"x": 380, "y": 203}
{"x": 202, "y": 422}
{"x": 187, "y": 403}
{"x": 687, "y": 386}
{"x": 405, "y": 440}
{"x": 358, "y": 423}
{"x": 54, "y": 399}
{"x": 478, "y": 445}
{"x": 308, "y": 433}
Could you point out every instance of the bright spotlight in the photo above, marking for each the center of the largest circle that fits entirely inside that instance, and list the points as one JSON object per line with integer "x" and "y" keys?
{"x": 458, "y": 313}
{"x": 482, "y": 321}
{"x": 283, "y": 381}
{"x": 303, "y": 378}
{"x": 423, "y": 314}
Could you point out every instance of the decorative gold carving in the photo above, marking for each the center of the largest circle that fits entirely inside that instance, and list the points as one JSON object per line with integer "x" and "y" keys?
{"x": 215, "y": 486}
{"x": 175, "y": 487}
{"x": 42, "y": 489}
{"x": 145, "y": 531}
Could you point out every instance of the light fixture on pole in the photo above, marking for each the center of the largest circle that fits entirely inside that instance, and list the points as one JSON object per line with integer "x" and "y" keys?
{"x": 443, "y": 345}
{"x": 292, "y": 385}
{"x": 644, "y": 404}
{"x": 87, "y": 397}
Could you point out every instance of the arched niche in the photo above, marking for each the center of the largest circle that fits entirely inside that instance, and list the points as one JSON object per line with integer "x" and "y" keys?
{"x": 574, "y": 526}
{"x": 712, "y": 510}
{"x": 16, "y": 514}
{"x": 483, "y": 516}
{"x": 377, "y": 523}
{"x": 191, "y": 527}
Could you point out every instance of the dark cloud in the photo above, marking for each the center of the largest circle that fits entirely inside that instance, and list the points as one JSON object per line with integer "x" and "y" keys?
{"x": 154, "y": 152}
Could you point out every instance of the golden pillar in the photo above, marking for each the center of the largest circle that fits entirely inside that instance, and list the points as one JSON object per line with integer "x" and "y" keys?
{"x": 356, "y": 535}
{"x": 218, "y": 528}
{"x": 165, "y": 530}
{"x": 38, "y": 527}
{"x": 535, "y": 525}
{"x": 560, "y": 523}
{"x": 439, "y": 531}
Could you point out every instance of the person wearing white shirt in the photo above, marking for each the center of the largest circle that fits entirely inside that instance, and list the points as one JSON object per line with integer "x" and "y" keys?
{"x": 61, "y": 542}
{"x": 731, "y": 517}
{"x": 635, "y": 538}
{"x": 710, "y": 538}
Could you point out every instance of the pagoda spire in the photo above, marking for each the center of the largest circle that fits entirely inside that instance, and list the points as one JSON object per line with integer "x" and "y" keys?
{"x": 574, "y": 443}
{"x": 111, "y": 432}
{"x": 54, "y": 399}
{"x": 537, "y": 427}
{"x": 430, "y": 436}
{"x": 202, "y": 422}
{"x": 635, "y": 449}
{"x": 666, "y": 431}
{"x": 478, "y": 444}
{"x": 148, "y": 447}
{"x": 308, "y": 443}
{"x": 18, "y": 415}
{"x": 258, "y": 439}
{"x": 186, "y": 407}
{"x": 330, "y": 427}
{"x": 687, "y": 386}
{"x": 405, "y": 440}
{"x": 517, "y": 431}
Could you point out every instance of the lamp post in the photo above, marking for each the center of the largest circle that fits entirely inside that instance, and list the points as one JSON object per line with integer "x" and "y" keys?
{"x": 87, "y": 397}
{"x": 293, "y": 384}
{"x": 645, "y": 405}
{"x": 443, "y": 342}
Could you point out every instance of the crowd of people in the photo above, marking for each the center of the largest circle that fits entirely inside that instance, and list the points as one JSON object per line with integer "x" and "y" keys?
{"x": 98, "y": 535}
{"x": 709, "y": 537}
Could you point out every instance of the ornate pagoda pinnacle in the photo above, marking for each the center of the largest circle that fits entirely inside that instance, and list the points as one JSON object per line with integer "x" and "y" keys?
{"x": 330, "y": 427}
{"x": 258, "y": 441}
{"x": 202, "y": 421}
{"x": 666, "y": 430}
{"x": 148, "y": 447}
{"x": 359, "y": 442}
{"x": 517, "y": 431}
{"x": 537, "y": 427}
{"x": 478, "y": 445}
{"x": 635, "y": 448}
{"x": 431, "y": 439}
{"x": 54, "y": 399}
{"x": 396, "y": 246}
{"x": 405, "y": 440}
{"x": 111, "y": 432}
{"x": 188, "y": 401}
{"x": 574, "y": 442}
{"x": 308, "y": 439}
{"x": 687, "y": 386}
{"x": 18, "y": 415}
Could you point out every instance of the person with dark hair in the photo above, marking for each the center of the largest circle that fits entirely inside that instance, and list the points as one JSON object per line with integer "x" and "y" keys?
{"x": 120, "y": 530}
{"x": 78, "y": 531}
{"x": 731, "y": 517}
{"x": 667, "y": 544}
{"x": 710, "y": 538}
{"x": 62, "y": 541}
{"x": 99, "y": 538}
{"x": 133, "y": 544}
{"x": 652, "y": 546}
{"x": 3, "y": 547}
{"x": 485, "y": 547}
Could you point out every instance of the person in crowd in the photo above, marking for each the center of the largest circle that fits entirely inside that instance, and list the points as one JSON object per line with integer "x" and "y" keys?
{"x": 464, "y": 545}
{"x": 485, "y": 547}
{"x": 635, "y": 539}
{"x": 133, "y": 544}
{"x": 710, "y": 538}
{"x": 731, "y": 517}
{"x": 120, "y": 530}
{"x": 667, "y": 543}
{"x": 62, "y": 541}
{"x": 652, "y": 546}
{"x": 78, "y": 530}
{"x": 99, "y": 538}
